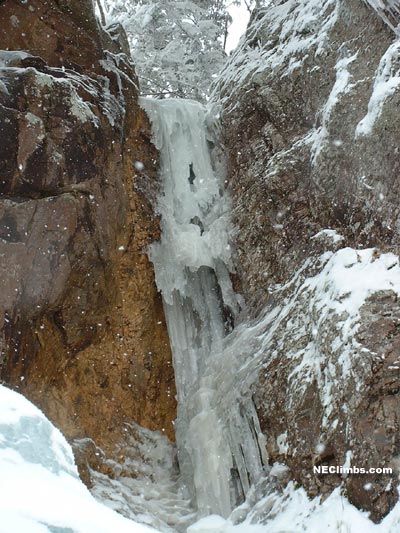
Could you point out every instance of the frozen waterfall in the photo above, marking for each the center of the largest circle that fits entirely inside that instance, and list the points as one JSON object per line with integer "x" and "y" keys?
{"x": 218, "y": 437}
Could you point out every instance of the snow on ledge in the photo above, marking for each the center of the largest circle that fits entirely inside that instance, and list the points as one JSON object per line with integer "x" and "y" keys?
{"x": 350, "y": 276}
{"x": 387, "y": 80}
{"x": 330, "y": 233}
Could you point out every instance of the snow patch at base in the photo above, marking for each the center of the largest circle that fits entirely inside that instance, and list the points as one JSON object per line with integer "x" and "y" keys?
{"x": 40, "y": 491}
{"x": 291, "y": 511}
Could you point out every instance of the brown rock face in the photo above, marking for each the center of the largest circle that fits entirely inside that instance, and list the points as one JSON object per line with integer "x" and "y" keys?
{"x": 83, "y": 331}
{"x": 299, "y": 164}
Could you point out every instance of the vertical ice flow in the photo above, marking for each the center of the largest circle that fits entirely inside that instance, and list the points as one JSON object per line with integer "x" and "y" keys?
{"x": 216, "y": 435}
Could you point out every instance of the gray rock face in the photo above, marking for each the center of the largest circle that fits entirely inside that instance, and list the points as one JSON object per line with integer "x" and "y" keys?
{"x": 311, "y": 126}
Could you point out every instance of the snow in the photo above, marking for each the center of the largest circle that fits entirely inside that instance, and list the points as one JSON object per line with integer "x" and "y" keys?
{"x": 139, "y": 166}
{"x": 216, "y": 524}
{"x": 217, "y": 427}
{"x": 3, "y": 87}
{"x": 387, "y": 80}
{"x": 341, "y": 283}
{"x": 388, "y": 11}
{"x": 296, "y": 28}
{"x": 341, "y": 86}
{"x": 75, "y": 86}
{"x": 351, "y": 276}
{"x": 344, "y": 282}
{"x": 330, "y": 233}
{"x": 7, "y": 56}
{"x": 40, "y": 490}
{"x": 282, "y": 443}
{"x": 177, "y": 47}
{"x": 81, "y": 109}
{"x": 292, "y": 511}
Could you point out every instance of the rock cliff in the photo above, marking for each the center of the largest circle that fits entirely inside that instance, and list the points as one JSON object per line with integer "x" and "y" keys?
{"x": 310, "y": 123}
{"x": 309, "y": 105}
{"x": 82, "y": 327}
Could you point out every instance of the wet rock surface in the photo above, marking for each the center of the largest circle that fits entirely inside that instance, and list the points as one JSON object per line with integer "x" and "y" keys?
{"x": 83, "y": 330}
{"x": 305, "y": 155}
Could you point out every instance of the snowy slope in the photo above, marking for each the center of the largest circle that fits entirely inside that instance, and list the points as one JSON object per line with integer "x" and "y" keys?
{"x": 40, "y": 490}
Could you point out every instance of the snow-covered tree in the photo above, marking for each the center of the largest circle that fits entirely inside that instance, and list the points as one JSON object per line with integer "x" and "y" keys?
{"x": 177, "y": 46}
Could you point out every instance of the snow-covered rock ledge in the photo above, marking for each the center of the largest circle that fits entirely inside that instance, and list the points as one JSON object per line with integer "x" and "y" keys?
{"x": 310, "y": 120}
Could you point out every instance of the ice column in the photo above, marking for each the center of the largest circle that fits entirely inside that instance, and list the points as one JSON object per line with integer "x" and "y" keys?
{"x": 192, "y": 263}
